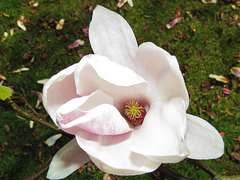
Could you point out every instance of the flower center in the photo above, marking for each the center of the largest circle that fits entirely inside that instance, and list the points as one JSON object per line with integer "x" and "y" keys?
{"x": 135, "y": 112}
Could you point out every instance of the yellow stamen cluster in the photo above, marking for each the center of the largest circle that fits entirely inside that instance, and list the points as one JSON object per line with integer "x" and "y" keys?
{"x": 135, "y": 112}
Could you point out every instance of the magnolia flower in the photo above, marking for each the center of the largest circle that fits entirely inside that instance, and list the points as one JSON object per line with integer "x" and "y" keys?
{"x": 126, "y": 106}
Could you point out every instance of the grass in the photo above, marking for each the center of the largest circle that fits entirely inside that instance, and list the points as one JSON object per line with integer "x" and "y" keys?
{"x": 205, "y": 42}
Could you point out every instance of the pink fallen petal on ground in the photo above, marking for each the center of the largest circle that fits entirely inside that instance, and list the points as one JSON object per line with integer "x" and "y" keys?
{"x": 38, "y": 94}
{"x": 173, "y": 23}
{"x": 86, "y": 31}
{"x": 26, "y": 55}
{"x": 122, "y": 2}
{"x": 235, "y": 71}
{"x": 146, "y": 27}
{"x": 77, "y": 43}
{"x": 226, "y": 91}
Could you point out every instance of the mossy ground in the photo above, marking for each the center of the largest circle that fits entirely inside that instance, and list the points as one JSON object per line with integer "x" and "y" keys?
{"x": 205, "y": 42}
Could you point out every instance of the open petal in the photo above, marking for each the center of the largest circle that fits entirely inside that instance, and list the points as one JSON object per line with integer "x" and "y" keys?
{"x": 94, "y": 113}
{"x": 111, "y": 36}
{"x": 160, "y": 137}
{"x": 58, "y": 90}
{"x": 68, "y": 159}
{"x": 112, "y": 154}
{"x": 202, "y": 139}
{"x": 162, "y": 70}
{"x": 119, "y": 82}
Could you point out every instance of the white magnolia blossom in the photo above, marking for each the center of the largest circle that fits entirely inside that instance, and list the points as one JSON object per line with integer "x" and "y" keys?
{"x": 88, "y": 100}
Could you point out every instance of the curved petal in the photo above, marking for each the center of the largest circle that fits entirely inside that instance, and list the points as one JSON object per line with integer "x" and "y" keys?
{"x": 68, "y": 159}
{"x": 94, "y": 113}
{"x": 119, "y": 82}
{"x": 202, "y": 139}
{"x": 111, "y": 36}
{"x": 59, "y": 89}
{"x": 160, "y": 137}
{"x": 112, "y": 154}
{"x": 162, "y": 70}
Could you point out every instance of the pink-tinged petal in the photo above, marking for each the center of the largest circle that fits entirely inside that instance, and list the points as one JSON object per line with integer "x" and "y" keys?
{"x": 226, "y": 91}
{"x": 112, "y": 154}
{"x": 161, "y": 69}
{"x": 146, "y": 27}
{"x": 235, "y": 71}
{"x": 26, "y": 55}
{"x": 68, "y": 159}
{"x": 94, "y": 113}
{"x": 86, "y": 31}
{"x": 202, "y": 139}
{"x": 161, "y": 136}
{"x": 59, "y": 89}
{"x": 173, "y": 23}
{"x": 77, "y": 43}
{"x": 38, "y": 94}
{"x": 119, "y": 82}
{"x": 111, "y": 36}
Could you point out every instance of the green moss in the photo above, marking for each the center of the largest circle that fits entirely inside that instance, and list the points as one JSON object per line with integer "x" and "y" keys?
{"x": 210, "y": 49}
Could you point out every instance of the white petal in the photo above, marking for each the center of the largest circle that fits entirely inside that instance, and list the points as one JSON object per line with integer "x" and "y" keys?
{"x": 160, "y": 137}
{"x": 202, "y": 139}
{"x": 119, "y": 82}
{"x": 111, "y": 36}
{"x": 58, "y": 90}
{"x": 94, "y": 113}
{"x": 162, "y": 70}
{"x": 68, "y": 159}
{"x": 112, "y": 154}
{"x": 52, "y": 140}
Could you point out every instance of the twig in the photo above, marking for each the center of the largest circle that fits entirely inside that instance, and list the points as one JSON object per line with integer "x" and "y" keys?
{"x": 171, "y": 174}
{"x": 39, "y": 173}
{"x": 202, "y": 166}
{"x": 39, "y": 120}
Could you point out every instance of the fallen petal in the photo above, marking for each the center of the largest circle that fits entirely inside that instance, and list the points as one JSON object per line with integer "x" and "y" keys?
{"x": 31, "y": 123}
{"x": 226, "y": 91}
{"x": 121, "y": 3}
{"x": 26, "y": 55}
{"x": 38, "y": 94}
{"x": 77, "y": 43}
{"x": 5, "y": 15}
{"x": 35, "y": 4}
{"x": 219, "y": 78}
{"x": 11, "y": 32}
{"x": 86, "y": 31}
{"x": 235, "y": 71}
{"x": 21, "y": 22}
{"x": 173, "y": 23}
{"x": 209, "y": 1}
{"x": 60, "y": 24}
{"x": 52, "y": 140}
{"x": 5, "y": 35}
{"x": 42, "y": 81}
{"x": 20, "y": 70}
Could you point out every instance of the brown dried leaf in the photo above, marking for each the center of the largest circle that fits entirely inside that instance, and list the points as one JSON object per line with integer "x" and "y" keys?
{"x": 7, "y": 128}
{"x": 236, "y": 153}
{"x": 81, "y": 169}
{"x": 5, "y": 15}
